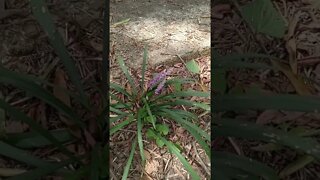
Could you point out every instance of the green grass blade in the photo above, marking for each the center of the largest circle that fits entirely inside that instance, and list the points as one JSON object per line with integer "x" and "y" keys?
{"x": 296, "y": 165}
{"x": 119, "y": 101}
{"x": 192, "y": 129}
{"x": 34, "y": 89}
{"x": 185, "y": 103}
{"x": 140, "y": 142}
{"x": 177, "y": 153}
{"x": 119, "y": 89}
{"x": 220, "y": 80}
{"x": 119, "y": 126}
{"x": 229, "y": 173}
{"x": 94, "y": 167}
{"x": 180, "y": 80}
{"x": 40, "y": 172}
{"x": 34, "y": 126}
{"x": 127, "y": 74}
{"x": 193, "y": 66}
{"x": 245, "y": 164}
{"x": 20, "y": 155}
{"x": 79, "y": 174}
{"x": 102, "y": 118}
{"x": 183, "y": 94}
{"x": 149, "y": 113}
{"x": 249, "y": 130}
{"x": 221, "y": 172}
{"x": 43, "y": 17}
{"x": 127, "y": 167}
{"x": 186, "y": 114}
{"x": 41, "y": 81}
{"x": 112, "y": 109}
{"x": 182, "y": 121}
{"x": 189, "y": 93}
{"x": 144, "y": 63}
{"x": 34, "y": 140}
{"x": 278, "y": 102}
{"x": 121, "y": 116}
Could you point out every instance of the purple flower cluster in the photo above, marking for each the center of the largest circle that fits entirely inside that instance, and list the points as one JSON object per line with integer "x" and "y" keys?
{"x": 159, "y": 77}
{"x": 160, "y": 86}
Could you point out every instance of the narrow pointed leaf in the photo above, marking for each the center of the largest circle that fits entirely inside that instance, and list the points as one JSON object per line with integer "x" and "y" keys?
{"x": 245, "y": 164}
{"x": 243, "y": 129}
{"x": 43, "y": 17}
{"x": 258, "y": 102}
{"x": 129, "y": 162}
{"x": 127, "y": 74}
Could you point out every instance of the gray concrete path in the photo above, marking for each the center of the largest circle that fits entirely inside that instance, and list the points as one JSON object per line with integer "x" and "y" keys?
{"x": 169, "y": 27}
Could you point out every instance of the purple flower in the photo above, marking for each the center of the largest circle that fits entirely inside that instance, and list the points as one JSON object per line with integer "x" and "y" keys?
{"x": 160, "y": 87}
{"x": 162, "y": 75}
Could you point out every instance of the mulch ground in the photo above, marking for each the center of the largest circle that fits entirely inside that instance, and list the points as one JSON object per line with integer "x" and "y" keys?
{"x": 160, "y": 164}
{"x": 232, "y": 35}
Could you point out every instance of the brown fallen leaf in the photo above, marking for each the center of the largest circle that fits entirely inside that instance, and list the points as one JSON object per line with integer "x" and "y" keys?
{"x": 299, "y": 85}
{"x": 292, "y": 50}
{"x": 40, "y": 115}
{"x": 8, "y": 172}
{"x": 267, "y": 116}
{"x": 60, "y": 82}
{"x": 292, "y": 26}
{"x": 219, "y": 10}
{"x": 89, "y": 139}
{"x": 96, "y": 46}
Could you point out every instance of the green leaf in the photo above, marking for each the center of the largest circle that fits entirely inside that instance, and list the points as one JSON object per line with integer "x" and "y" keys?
{"x": 36, "y": 90}
{"x": 177, "y": 86}
{"x": 159, "y": 142}
{"x": 20, "y": 155}
{"x": 182, "y": 121}
{"x": 79, "y": 174}
{"x": 186, "y": 114}
{"x": 127, "y": 167}
{"x": 119, "y": 89}
{"x": 140, "y": 142}
{"x": 163, "y": 129}
{"x": 245, "y": 164}
{"x": 248, "y": 130}
{"x": 118, "y": 111}
{"x": 43, "y": 17}
{"x": 2, "y": 120}
{"x": 174, "y": 150}
{"x": 258, "y": 102}
{"x": 230, "y": 173}
{"x": 34, "y": 140}
{"x": 127, "y": 74}
{"x": 34, "y": 126}
{"x": 41, "y": 171}
{"x": 194, "y": 130}
{"x": 94, "y": 167}
{"x": 153, "y": 120}
{"x": 150, "y": 134}
{"x": 235, "y": 60}
{"x": 180, "y": 80}
{"x": 121, "y": 116}
{"x": 104, "y": 162}
{"x": 298, "y": 164}
{"x": 119, "y": 126}
{"x": 185, "y": 103}
{"x": 263, "y": 17}
{"x": 220, "y": 81}
{"x": 193, "y": 67}
{"x": 189, "y": 93}
{"x": 267, "y": 147}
